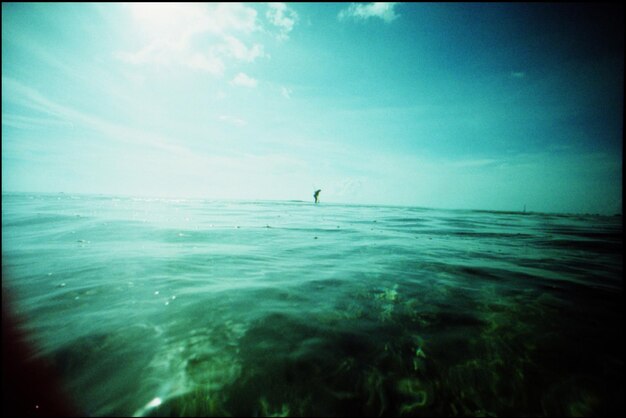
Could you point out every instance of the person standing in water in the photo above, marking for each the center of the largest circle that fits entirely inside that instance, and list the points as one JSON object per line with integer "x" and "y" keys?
{"x": 316, "y": 194}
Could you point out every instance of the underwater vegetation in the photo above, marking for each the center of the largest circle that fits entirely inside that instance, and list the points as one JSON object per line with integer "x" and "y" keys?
{"x": 503, "y": 359}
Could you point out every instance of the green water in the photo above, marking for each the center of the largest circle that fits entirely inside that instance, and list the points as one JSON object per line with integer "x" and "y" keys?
{"x": 191, "y": 307}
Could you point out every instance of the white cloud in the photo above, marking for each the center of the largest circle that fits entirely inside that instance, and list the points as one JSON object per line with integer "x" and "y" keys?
{"x": 173, "y": 31}
{"x": 233, "y": 16}
{"x": 281, "y": 16}
{"x": 206, "y": 62}
{"x": 168, "y": 21}
{"x": 238, "y": 50}
{"x": 232, "y": 120}
{"x": 286, "y": 92}
{"x": 171, "y": 20}
{"x": 244, "y": 80}
{"x": 159, "y": 51}
{"x": 384, "y": 11}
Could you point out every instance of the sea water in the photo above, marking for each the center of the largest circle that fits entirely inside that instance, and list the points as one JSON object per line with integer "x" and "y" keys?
{"x": 204, "y": 307}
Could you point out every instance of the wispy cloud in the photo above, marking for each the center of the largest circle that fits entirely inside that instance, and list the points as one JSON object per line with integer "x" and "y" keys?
{"x": 27, "y": 122}
{"x": 206, "y": 62}
{"x": 518, "y": 74}
{"x": 286, "y": 92}
{"x": 479, "y": 162}
{"x": 237, "y": 49}
{"x": 384, "y": 11}
{"x": 232, "y": 120}
{"x": 33, "y": 99}
{"x": 174, "y": 30}
{"x": 244, "y": 80}
{"x": 283, "y": 17}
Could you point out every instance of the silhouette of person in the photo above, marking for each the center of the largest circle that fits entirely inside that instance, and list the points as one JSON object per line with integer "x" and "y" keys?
{"x": 316, "y": 194}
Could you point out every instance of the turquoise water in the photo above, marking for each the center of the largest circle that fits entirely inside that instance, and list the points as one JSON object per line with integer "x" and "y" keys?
{"x": 201, "y": 307}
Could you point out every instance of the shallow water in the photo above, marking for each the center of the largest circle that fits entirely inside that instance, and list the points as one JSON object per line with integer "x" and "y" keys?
{"x": 200, "y": 307}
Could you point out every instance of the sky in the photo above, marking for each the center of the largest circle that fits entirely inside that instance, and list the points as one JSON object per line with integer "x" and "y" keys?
{"x": 491, "y": 106}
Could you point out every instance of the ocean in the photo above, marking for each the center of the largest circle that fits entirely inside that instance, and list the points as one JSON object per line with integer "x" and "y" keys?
{"x": 170, "y": 307}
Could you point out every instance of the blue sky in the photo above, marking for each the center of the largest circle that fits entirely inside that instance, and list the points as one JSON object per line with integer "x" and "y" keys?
{"x": 477, "y": 106}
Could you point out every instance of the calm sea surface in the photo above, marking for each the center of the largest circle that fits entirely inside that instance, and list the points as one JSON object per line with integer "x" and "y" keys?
{"x": 200, "y": 307}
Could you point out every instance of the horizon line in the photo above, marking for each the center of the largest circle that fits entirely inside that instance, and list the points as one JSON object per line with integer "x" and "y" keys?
{"x": 522, "y": 212}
